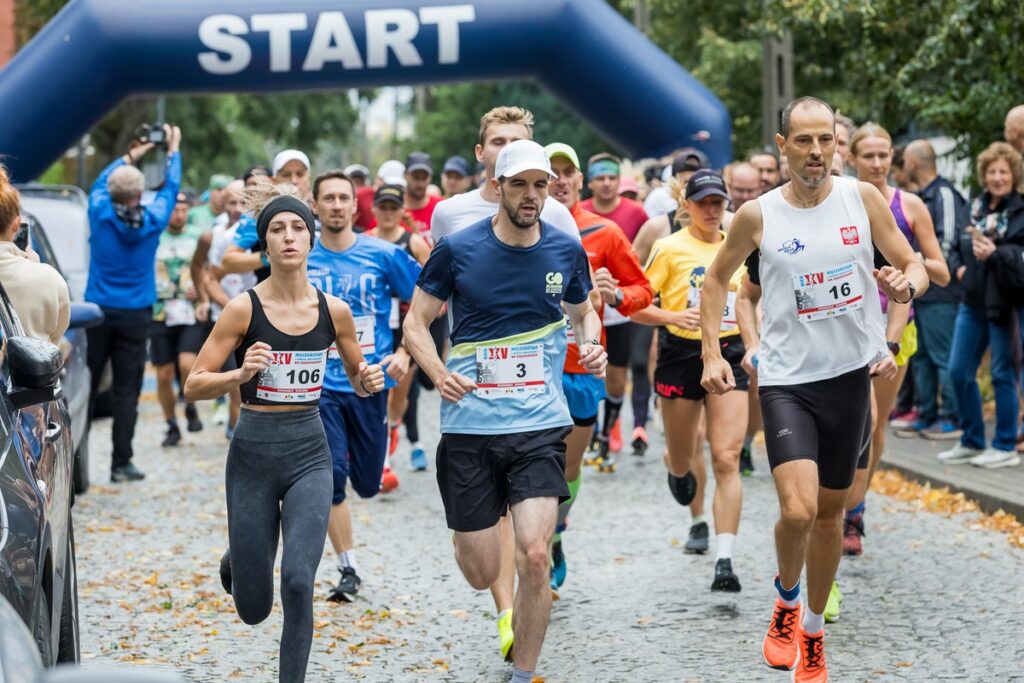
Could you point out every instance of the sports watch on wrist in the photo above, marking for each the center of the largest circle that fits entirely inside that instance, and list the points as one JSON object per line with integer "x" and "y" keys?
{"x": 913, "y": 293}
{"x": 894, "y": 347}
{"x": 619, "y": 297}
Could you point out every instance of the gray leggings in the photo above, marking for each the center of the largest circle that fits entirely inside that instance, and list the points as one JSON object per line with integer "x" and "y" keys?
{"x": 278, "y": 478}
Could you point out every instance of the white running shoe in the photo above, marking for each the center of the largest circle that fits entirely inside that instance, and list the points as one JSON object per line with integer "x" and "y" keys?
{"x": 991, "y": 458}
{"x": 958, "y": 455}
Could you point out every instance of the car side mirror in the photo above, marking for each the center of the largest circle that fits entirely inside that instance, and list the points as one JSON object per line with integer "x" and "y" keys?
{"x": 85, "y": 315}
{"x": 35, "y": 371}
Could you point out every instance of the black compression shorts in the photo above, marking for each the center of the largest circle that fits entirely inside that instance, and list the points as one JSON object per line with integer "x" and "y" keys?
{"x": 828, "y": 421}
{"x": 617, "y": 338}
{"x": 679, "y": 369}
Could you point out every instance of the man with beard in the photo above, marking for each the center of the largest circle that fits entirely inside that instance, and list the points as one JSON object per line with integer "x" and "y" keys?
{"x": 503, "y": 414}
{"x": 499, "y": 127}
{"x": 822, "y": 338}
{"x": 419, "y": 204}
{"x": 365, "y": 273}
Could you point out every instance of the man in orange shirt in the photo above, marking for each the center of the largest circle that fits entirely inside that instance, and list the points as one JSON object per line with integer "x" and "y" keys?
{"x": 621, "y": 283}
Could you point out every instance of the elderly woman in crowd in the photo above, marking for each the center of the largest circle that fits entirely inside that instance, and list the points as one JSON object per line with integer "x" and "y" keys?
{"x": 984, "y": 260}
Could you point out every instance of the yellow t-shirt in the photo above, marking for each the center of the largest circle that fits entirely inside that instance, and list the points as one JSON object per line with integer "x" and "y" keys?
{"x": 676, "y": 270}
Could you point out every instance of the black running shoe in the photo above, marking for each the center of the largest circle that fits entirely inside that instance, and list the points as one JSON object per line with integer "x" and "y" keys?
{"x": 127, "y": 472}
{"x": 683, "y": 488}
{"x": 225, "y": 571}
{"x": 347, "y": 587}
{"x": 725, "y": 579}
{"x": 697, "y": 543}
{"x": 746, "y": 462}
{"x": 173, "y": 437}
{"x": 192, "y": 415}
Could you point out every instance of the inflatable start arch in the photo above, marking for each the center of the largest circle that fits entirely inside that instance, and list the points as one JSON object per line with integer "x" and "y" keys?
{"x": 96, "y": 52}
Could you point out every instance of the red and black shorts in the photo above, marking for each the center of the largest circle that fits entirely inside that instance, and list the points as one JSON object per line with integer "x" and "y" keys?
{"x": 679, "y": 368}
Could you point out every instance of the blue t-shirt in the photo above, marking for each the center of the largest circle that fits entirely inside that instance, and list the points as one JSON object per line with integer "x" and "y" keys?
{"x": 507, "y": 326}
{"x": 245, "y": 234}
{"x": 365, "y": 276}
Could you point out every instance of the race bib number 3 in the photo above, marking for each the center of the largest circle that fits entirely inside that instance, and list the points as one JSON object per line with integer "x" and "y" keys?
{"x": 503, "y": 371}
{"x": 828, "y": 293}
{"x": 293, "y": 377}
{"x": 728, "y": 315}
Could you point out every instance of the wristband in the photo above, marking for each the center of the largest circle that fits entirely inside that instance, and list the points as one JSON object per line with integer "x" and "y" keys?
{"x": 592, "y": 342}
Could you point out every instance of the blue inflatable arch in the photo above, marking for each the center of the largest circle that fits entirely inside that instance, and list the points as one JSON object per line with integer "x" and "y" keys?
{"x": 96, "y": 52}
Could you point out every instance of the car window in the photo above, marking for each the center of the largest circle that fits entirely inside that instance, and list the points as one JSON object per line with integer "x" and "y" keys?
{"x": 40, "y": 243}
{"x": 8, "y": 318}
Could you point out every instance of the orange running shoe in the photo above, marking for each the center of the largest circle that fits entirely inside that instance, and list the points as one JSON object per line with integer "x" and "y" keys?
{"x": 811, "y": 668}
{"x": 393, "y": 443}
{"x": 615, "y": 438}
{"x": 388, "y": 480}
{"x": 780, "y": 650}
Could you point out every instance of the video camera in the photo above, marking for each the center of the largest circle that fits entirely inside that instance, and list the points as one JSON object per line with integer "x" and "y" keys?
{"x": 152, "y": 133}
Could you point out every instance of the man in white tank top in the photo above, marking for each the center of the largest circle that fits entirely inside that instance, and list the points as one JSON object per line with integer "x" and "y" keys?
{"x": 822, "y": 338}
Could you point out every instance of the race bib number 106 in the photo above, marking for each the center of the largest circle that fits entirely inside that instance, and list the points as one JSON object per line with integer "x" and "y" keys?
{"x": 503, "y": 371}
{"x": 293, "y": 377}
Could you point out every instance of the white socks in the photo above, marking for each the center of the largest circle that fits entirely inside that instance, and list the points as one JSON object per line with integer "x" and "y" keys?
{"x": 348, "y": 559}
{"x": 724, "y": 543}
{"x": 812, "y": 623}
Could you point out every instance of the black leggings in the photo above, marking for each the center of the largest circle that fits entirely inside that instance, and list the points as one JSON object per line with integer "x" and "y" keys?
{"x": 278, "y": 479}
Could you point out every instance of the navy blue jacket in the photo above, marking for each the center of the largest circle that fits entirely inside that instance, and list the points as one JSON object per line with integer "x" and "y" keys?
{"x": 950, "y": 215}
{"x": 122, "y": 264}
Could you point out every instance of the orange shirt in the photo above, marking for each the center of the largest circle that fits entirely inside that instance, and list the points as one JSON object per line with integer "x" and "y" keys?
{"x": 607, "y": 247}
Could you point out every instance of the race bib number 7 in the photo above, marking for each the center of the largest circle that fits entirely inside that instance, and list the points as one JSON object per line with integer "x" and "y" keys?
{"x": 503, "y": 371}
{"x": 365, "y": 332}
{"x": 828, "y": 293}
{"x": 293, "y": 377}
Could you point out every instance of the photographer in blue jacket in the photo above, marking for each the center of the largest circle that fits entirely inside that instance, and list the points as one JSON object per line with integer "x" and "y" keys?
{"x": 123, "y": 240}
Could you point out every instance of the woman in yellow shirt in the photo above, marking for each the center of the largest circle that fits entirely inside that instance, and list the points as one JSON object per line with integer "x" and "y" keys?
{"x": 676, "y": 270}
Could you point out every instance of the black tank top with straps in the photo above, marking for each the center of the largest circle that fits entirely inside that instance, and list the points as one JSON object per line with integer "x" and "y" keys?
{"x": 320, "y": 338}
{"x": 404, "y": 241}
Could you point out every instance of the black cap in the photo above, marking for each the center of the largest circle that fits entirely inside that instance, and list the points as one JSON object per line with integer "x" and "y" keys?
{"x": 690, "y": 159}
{"x": 418, "y": 161}
{"x": 389, "y": 193}
{"x": 456, "y": 164}
{"x": 705, "y": 183}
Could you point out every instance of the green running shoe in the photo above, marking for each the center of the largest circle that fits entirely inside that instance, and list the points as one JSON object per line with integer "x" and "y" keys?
{"x": 505, "y": 634}
{"x": 833, "y": 604}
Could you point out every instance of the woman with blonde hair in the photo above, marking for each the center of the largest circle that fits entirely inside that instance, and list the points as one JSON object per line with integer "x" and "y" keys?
{"x": 986, "y": 252}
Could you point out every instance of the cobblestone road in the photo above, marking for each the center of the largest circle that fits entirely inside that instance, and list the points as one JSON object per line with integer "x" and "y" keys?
{"x": 931, "y": 599}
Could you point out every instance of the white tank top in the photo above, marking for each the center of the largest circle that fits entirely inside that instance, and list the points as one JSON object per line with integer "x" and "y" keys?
{"x": 822, "y": 316}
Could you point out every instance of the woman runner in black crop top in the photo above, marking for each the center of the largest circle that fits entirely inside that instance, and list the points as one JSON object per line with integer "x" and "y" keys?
{"x": 278, "y": 471}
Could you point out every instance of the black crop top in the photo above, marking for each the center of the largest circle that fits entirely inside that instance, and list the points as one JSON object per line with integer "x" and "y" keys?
{"x": 297, "y": 376}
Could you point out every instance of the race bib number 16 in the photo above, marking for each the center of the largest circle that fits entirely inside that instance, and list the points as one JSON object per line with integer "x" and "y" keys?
{"x": 509, "y": 370}
{"x": 828, "y": 293}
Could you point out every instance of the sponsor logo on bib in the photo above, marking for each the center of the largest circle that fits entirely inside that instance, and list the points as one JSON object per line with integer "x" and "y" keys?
{"x": 850, "y": 235}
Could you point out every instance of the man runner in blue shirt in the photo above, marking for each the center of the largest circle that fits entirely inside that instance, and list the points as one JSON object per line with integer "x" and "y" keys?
{"x": 503, "y": 413}
{"x": 365, "y": 273}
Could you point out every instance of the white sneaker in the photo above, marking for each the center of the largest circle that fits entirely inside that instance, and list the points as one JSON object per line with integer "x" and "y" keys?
{"x": 958, "y": 455}
{"x": 220, "y": 414}
{"x": 991, "y": 458}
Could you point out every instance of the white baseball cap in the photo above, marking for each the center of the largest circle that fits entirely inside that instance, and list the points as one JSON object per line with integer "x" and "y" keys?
{"x": 519, "y": 156}
{"x": 392, "y": 172}
{"x": 287, "y": 155}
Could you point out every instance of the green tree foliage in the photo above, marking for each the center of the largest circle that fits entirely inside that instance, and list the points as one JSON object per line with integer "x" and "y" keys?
{"x": 451, "y": 122}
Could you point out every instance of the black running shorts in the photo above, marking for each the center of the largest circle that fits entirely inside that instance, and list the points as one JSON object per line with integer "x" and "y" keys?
{"x": 617, "y": 344}
{"x": 165, "y": 343}
{"x": 679, "y": 369}
{"x": 828, "y": 421}
{"x": 481, "y": 475}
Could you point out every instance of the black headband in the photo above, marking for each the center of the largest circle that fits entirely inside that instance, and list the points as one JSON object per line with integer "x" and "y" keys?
{"x": 280, "y": 205}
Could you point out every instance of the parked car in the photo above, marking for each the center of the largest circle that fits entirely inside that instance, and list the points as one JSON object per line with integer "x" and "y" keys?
{"x": 75, "y": 376}
{"x": 20, "y": 661}
{"x": 63, "y": 212}
{"x": 37, "y": 545}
